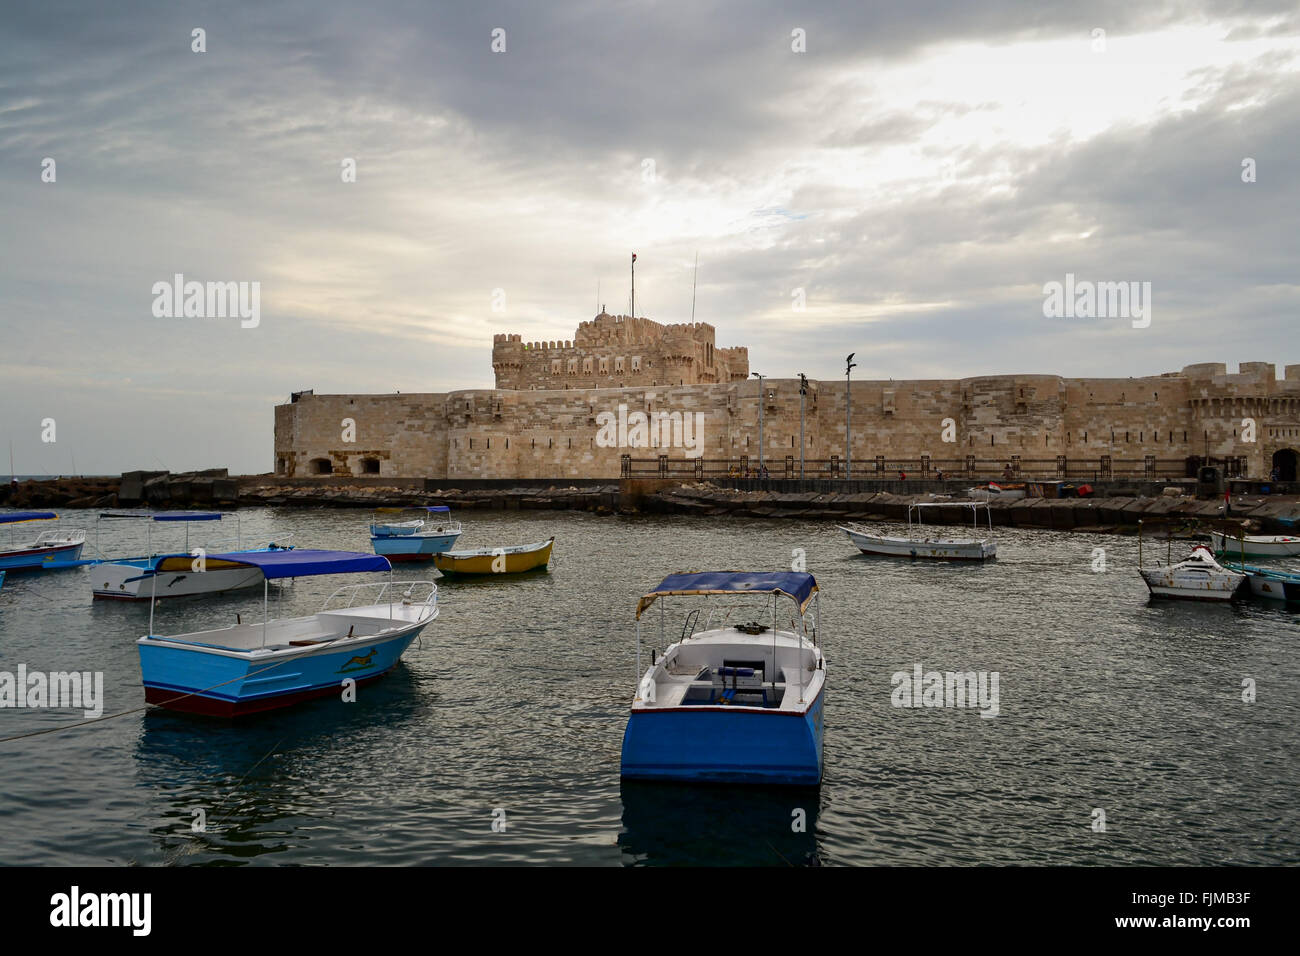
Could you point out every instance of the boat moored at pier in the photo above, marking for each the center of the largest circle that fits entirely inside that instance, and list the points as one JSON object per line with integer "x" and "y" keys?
{"x": 1272, "y": 584}
{"x": 917, "y": 544}
{"x": 1196, "y": 578}
{"x": 1256, "y": 545}
{"x": 731, "y": 703}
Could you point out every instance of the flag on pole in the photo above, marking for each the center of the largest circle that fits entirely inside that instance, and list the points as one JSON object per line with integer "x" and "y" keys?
{"x": 634, "y": 257}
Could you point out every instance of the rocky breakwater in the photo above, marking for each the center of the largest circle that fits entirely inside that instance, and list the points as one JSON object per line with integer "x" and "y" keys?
{"x": 1267, "y": 513}
{"x": 61, "y": 493}
{"x": 417, "y": 493}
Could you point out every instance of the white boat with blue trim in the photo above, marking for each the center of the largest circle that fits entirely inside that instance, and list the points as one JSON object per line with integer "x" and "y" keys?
{"x": 1273, "y": 584}
{"x": 415, "y": 539}
{"x": 731, "y": 703}
{"x": 247, "y": 668}
{"x": 168, "y": 575}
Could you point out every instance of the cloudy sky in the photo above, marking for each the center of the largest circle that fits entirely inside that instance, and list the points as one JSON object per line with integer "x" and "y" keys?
{"x": 920, "y": 171}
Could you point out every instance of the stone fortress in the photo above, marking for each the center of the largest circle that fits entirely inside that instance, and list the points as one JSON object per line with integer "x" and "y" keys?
{"x": 546, "y": 415}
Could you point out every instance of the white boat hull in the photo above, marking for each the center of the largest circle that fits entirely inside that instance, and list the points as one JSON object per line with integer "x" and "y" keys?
{"x": 128, "y": 582}
{"x": 1169, "y": 583}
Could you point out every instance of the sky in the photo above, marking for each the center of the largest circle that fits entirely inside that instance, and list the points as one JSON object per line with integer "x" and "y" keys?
{"x": 898, "y": 180}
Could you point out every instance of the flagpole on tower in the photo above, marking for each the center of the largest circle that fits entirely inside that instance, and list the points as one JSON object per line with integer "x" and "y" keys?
{"x": 633, "y": 315}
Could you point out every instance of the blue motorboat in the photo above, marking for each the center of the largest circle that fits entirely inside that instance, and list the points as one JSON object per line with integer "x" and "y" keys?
{"x": 415, "y": 539}
{"x": 246, "y": 668}
{"x": 49, "y": 549}
{"x": 731, "y": 702}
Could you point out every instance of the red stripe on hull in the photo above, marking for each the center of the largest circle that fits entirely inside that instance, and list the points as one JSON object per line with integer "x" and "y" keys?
{"x": 212, "y": 707}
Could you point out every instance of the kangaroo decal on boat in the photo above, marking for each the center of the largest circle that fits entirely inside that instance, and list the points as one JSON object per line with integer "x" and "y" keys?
{"x": 360, "y": 663}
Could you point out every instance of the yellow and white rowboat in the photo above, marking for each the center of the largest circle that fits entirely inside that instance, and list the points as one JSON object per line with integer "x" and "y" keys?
{"x": 524, "y": 557}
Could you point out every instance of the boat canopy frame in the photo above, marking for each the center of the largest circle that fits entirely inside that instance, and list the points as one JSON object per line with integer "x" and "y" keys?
{"x": 185, "y": 517}
{"x": 974, "y": 507}
{"x": 292, "y": 564}
{"x": 799, "y": 586}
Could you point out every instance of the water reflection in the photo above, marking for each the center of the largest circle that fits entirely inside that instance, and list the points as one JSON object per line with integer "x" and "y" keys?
{"x": 666, "y": 824}
{"x": 262, "y": 783}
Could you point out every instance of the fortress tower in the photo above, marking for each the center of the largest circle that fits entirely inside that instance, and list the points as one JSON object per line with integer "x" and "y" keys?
{"x": 616, "y": 351}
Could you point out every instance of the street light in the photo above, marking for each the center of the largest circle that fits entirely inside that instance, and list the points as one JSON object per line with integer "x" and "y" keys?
{"x": 761, "y": 402}
{"x": 849, "y": 366}
{"x": 803, "y": 391}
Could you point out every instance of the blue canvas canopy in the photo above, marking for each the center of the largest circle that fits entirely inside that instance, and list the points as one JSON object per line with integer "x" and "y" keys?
{"x": 166, "y": 515}
{"x": 13, "y": 517}
{"x": 799, "y": 586}
{"x": 301, "y": 564}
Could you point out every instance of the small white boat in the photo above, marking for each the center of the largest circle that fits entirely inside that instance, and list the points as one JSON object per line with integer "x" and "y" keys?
{"x": 1197, "y": 578}
{"x": 919, "y": 545}
{"x": 178, "y": 574}
{"x": 994, "y": 491}
{"x": 1256, "y": 545}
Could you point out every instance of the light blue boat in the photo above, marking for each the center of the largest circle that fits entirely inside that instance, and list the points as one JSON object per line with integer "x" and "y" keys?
{"x": 49, "y": 549}
{"x": 418, "y": 539}
{"x": 247, "y": 668}
{"x": 1270, "y": 583}
{"x": 731, "y": 703}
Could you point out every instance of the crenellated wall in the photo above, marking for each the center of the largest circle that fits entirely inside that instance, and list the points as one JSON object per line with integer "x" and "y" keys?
{"x": 557, "y": 432}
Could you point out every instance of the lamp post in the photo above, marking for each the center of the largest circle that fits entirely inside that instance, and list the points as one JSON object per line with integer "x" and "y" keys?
{"x": 761, "y": 403}
{"x": 803, "y": 392}
{"x": 849, "y": 365}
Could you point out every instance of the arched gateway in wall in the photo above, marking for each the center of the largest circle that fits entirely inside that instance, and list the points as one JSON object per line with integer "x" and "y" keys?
{"x": 1284, "y": 461}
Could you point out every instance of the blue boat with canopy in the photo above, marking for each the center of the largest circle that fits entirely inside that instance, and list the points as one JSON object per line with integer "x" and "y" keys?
{"x": 242, "y": 669}
{"x": 173, "y": 574}
{"x": 731, "y": 700}
{"x": 417, "y": 538}
{"x": 48, "y": 549}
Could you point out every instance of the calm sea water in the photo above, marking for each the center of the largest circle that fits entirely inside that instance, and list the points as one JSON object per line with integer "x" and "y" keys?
{"x": 513, "y": 704}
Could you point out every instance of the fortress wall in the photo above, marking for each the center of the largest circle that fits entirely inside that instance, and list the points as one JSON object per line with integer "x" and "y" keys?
{"x": 555, "y": 433}
{"x": 403, "y": 433}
